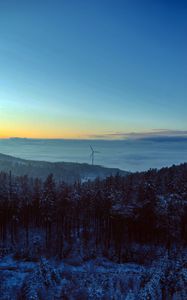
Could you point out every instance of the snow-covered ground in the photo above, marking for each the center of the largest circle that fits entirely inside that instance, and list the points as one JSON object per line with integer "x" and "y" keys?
{"x": 71, "y": 279}
{"x": 94, "y": 279}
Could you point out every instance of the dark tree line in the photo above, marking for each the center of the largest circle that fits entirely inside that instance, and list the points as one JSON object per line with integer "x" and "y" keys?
{"x": 103, "y": 215}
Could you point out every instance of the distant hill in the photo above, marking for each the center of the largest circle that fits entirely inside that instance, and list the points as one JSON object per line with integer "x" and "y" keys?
{"x": 66, "y": 171}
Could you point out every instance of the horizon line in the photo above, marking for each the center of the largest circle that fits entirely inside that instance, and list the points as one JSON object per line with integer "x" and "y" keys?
{"x": 102, "y": 138}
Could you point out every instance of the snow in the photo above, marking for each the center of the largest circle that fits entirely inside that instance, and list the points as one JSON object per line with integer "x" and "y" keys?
{"x": 97, "y": 278}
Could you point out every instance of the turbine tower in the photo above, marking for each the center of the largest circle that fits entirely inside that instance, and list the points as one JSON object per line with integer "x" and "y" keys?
{"x": 92, "y": 154}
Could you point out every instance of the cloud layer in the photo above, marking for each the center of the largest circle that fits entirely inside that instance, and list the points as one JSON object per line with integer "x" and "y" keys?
{"x": 155, "y": 134}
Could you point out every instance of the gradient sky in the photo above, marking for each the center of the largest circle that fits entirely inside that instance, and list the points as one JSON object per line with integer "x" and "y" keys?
{"x": 91, "y": 68}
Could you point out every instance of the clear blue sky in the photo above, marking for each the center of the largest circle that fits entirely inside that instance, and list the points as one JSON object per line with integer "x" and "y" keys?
{"x": 85, "y": 68}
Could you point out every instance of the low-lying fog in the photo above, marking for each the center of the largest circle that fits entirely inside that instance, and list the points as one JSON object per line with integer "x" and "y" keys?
{"x": 130, "y": 155}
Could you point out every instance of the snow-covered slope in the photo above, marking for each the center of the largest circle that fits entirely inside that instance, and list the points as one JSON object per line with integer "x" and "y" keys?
{"x": 164, "y": 278}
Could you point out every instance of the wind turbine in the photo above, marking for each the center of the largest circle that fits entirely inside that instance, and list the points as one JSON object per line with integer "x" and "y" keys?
{"x": 92, "y": 154}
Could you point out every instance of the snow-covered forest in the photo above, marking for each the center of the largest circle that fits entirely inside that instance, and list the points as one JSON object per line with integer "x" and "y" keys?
{"x": 116, "y": 238}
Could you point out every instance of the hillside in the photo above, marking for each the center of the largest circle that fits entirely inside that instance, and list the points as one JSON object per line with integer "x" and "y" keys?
{"x": 117, "y": 238}
{"x": 66, "y": 171}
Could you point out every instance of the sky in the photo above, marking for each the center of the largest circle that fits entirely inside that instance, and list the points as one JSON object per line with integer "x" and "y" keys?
{"x": 93, "y": 69}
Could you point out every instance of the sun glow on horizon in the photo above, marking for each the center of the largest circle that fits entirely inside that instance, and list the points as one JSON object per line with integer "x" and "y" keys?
{"x": 101, "y": 69}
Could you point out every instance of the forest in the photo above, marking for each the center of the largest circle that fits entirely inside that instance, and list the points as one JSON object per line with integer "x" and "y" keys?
{"x": 137, "y": 219}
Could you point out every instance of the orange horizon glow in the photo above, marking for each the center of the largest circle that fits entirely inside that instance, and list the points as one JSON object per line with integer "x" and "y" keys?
{"x": 50, "y": 135}
{"x": 37, "y": 135}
